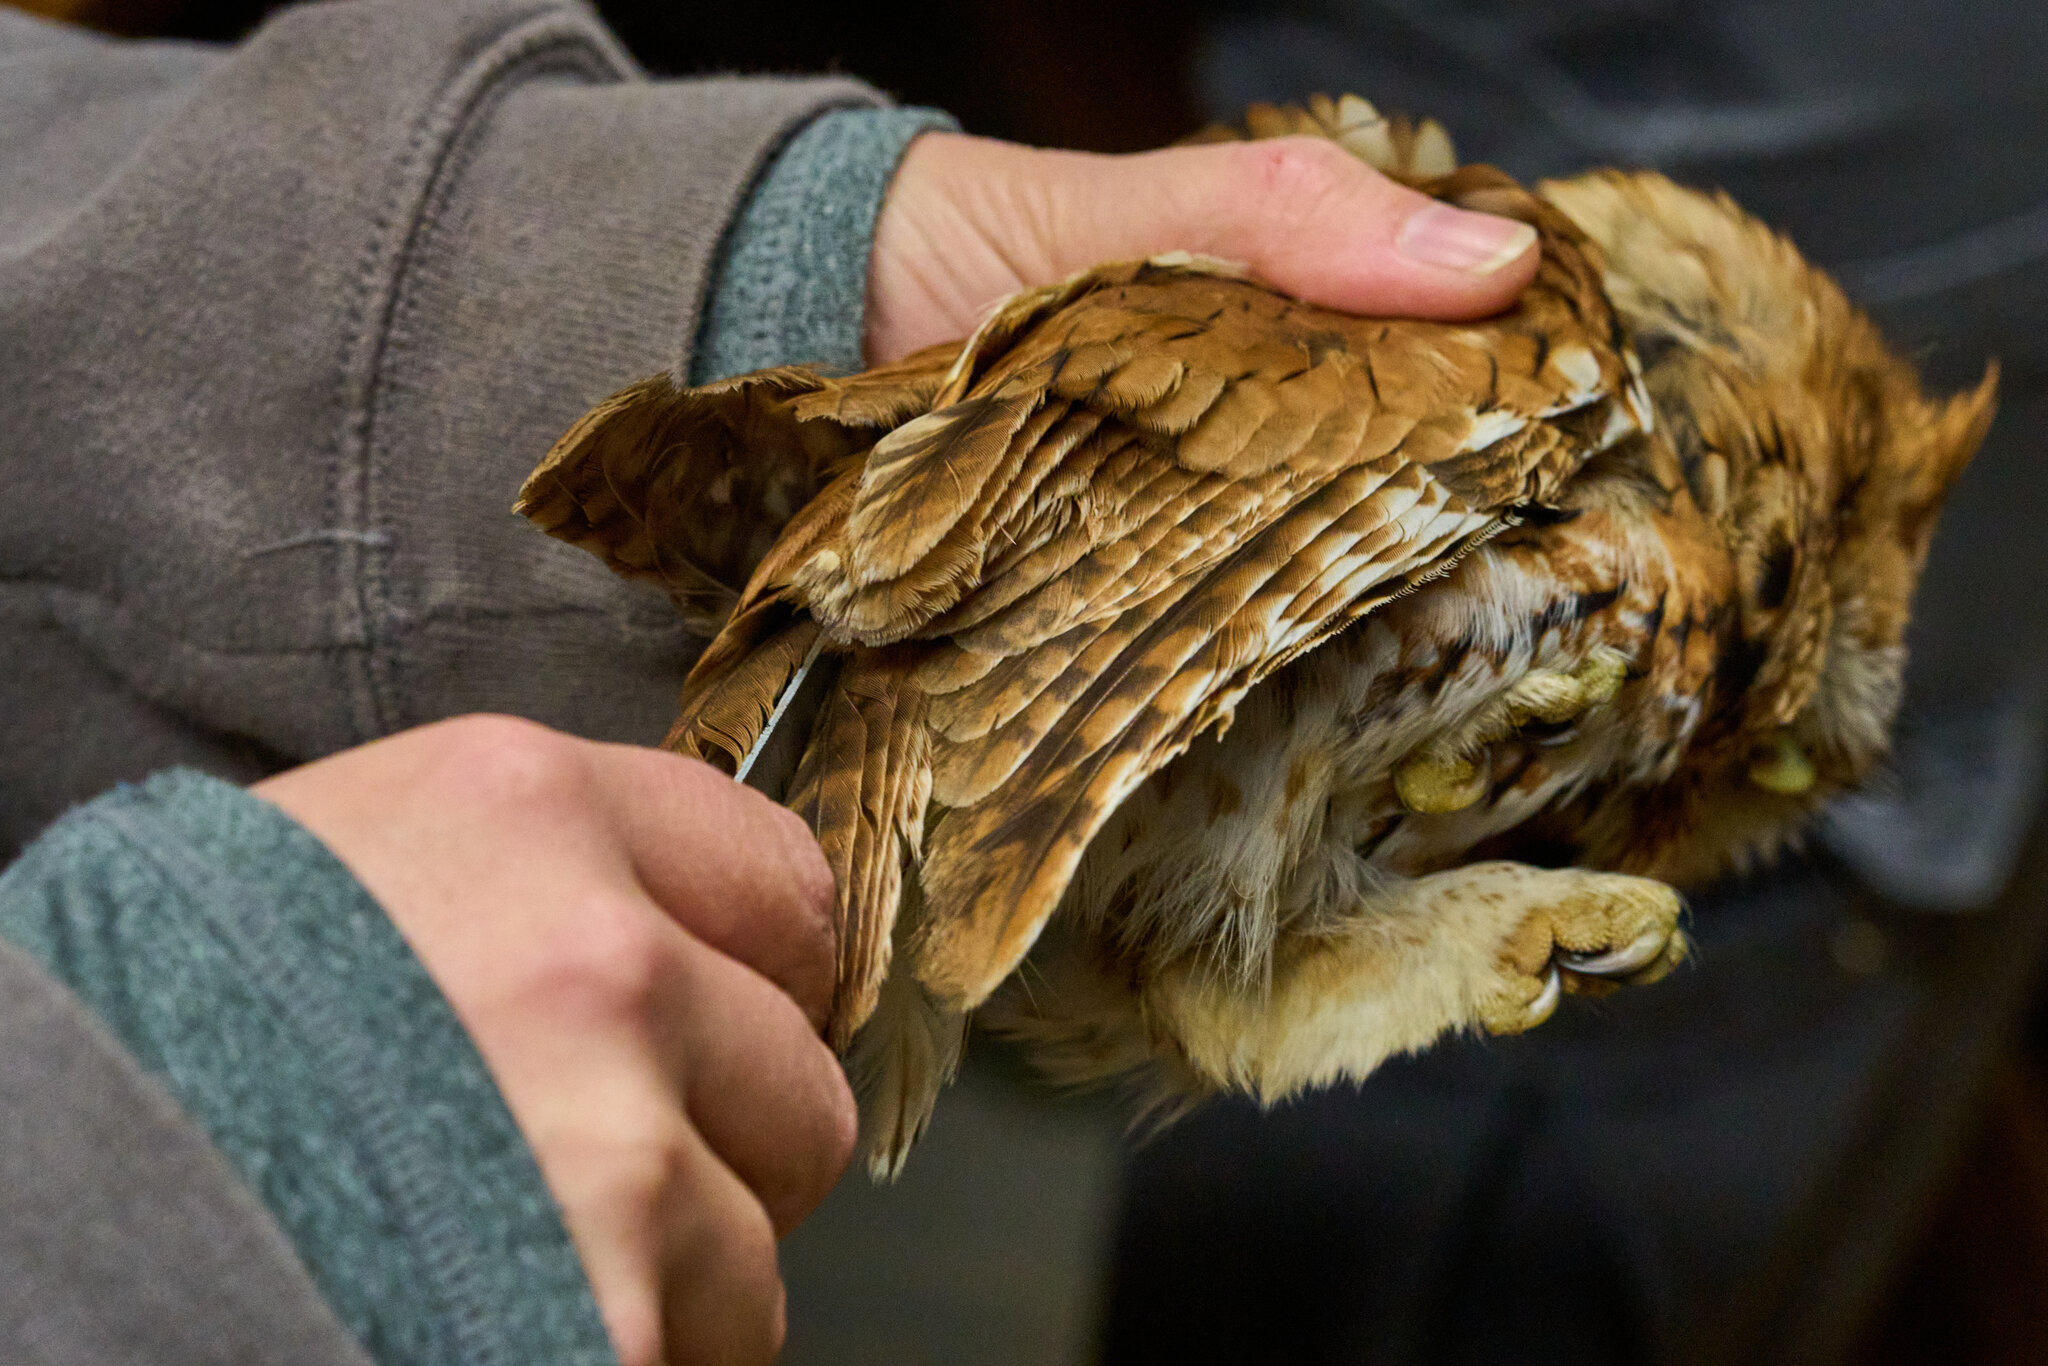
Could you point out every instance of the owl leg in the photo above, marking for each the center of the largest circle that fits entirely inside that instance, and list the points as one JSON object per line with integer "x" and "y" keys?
{"x": 1490, "y": 946}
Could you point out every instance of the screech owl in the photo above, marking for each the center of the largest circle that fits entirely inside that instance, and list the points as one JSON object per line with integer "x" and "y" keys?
{"x": 1293, "y": 687}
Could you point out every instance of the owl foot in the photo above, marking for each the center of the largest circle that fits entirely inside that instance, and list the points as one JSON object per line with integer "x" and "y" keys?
{"x": 1588, "y": 933}
{"x": 1491, "y": 944}
{"x": 1453, "y": 772}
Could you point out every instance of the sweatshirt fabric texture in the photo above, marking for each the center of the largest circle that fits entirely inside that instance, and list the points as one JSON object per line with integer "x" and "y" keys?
{"x": 281, "y": 330}
{"x": 240, "y": 963}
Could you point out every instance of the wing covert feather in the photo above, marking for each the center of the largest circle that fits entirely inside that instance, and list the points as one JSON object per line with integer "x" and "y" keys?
{"x": 1155, "y": 682}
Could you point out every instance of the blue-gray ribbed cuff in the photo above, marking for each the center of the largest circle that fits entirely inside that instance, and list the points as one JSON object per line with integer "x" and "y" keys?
{"x": 791, "y": 287}
{"x": 238, "y": 960}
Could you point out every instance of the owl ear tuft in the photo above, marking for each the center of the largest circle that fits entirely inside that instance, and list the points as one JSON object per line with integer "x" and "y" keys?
{"x": 1955, "y": 430}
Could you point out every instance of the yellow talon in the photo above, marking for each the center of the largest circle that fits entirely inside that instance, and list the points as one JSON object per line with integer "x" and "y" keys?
{"x": 1548, "y": 696}
{"x": 1433, "y": 784}
{"x": 1783, "y": 767}
{"x": 1556, "y": 698}
{"x": 1601, "y": 674}
{"x": 1438, "y": 780}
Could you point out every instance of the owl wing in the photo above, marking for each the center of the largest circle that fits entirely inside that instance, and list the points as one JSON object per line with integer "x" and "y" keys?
{"x": 689, "y": 487}
{"x": 1141, "y": 492}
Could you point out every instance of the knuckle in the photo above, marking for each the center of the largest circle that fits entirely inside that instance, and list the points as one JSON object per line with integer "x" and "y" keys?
{"x": 649, "y": 1156}
{"x": 609, "y": 957}
{"x": 670, "y": 1157}
{"x": 510, "y": 763}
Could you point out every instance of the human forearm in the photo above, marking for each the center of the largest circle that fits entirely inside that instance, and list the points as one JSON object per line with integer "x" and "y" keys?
{"x": 246, "y": 970}
{"x": 124, "y": 1235}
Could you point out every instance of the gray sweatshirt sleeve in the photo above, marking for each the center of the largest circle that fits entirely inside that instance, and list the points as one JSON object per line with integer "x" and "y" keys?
{"x": 283, "y": 328}
{"x": 125, "y": 1238}
{"x": 247, "y": 972}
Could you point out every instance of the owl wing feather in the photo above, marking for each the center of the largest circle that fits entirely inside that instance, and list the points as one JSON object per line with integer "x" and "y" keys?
{"x": 868, "y": 815}
{"x": 689, "y": 487}
{"x": 1035, "y": 791}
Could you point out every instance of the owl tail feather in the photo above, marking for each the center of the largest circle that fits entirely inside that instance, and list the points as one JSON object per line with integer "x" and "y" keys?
{"x": 905, "y": 1055}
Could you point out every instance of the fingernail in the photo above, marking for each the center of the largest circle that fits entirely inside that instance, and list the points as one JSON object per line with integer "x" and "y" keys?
{"x": 1458, "y": 239}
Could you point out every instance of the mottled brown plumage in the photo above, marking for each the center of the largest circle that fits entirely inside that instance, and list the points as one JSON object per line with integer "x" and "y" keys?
{"x": 1625, "y": 571}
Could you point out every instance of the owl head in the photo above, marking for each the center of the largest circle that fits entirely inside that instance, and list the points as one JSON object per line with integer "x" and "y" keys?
{"x": 1808, "y": 441}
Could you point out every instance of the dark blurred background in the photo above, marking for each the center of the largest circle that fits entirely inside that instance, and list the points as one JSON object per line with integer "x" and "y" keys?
{"x": 1829, "y": 1142}
{"x": 1067, "y": 73}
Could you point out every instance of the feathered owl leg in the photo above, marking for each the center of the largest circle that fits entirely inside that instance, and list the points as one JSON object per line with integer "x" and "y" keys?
{"x": 1489, "y": 946}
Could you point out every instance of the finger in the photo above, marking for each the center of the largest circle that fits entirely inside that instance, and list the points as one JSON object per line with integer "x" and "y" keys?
{"x": 679, "y": 1253}
{"x": 722, "y": 1294}
{"x": 658, "y": 1075}
{"x": 759, "y": 1084}
{"x": 612, "y": 1184}
{"x": 1308, "y": 218}
{"x": 734, "y": 869}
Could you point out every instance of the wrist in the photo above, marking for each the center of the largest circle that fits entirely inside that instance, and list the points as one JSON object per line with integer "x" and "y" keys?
{"x": 791, "y": 286}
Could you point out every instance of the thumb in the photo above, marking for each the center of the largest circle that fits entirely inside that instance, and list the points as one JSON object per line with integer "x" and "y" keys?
{"x": 1306, "y": 217}
{"x": 970, "y": 220}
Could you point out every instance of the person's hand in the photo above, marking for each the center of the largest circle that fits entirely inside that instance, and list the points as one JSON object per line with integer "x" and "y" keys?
{"x": 642, "y": 950}
{"x": 968, "y": 220}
